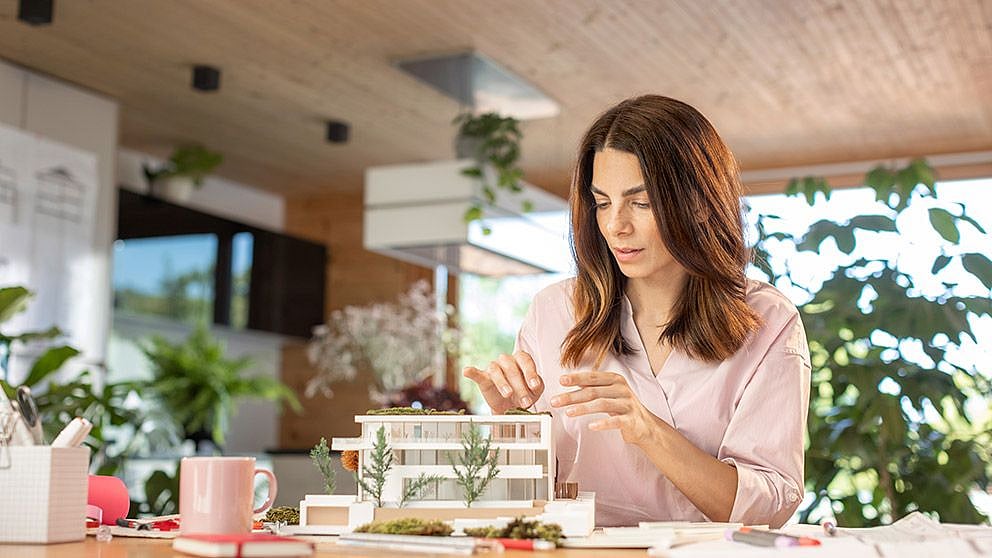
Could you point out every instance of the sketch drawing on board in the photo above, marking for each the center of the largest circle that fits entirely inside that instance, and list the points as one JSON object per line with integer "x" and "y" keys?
{"x": 8, "y": 194}
{"x": 60, "y": 194}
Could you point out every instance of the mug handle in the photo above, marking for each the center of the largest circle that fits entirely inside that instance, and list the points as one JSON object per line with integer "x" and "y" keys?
{"x": 273, "y": 486}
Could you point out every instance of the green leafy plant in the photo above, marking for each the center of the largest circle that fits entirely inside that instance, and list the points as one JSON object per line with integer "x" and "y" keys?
{"x": 374, "y": 477}
{"x": 193, "y": 161}
{"x": 321, "y": 457}
{"x": 14, "y": 300}
{"x": 199, "y": 386}
{"x": 476, "y": 464}
{"x": 496, "y": 144}
{"x": 120, "y": 428}
{"x": 161, "y": 494}
{"x": 889, "y": 429}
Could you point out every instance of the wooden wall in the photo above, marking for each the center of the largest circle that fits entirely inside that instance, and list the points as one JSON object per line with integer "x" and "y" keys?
{"x": 355, "y": 276}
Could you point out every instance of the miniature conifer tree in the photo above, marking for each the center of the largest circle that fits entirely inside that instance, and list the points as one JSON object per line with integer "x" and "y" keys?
{"x": 478, "y": 464}
{"x": 381, "y": 463}
{"x": 321, "y": 457}
{"x": 416, "y": 487}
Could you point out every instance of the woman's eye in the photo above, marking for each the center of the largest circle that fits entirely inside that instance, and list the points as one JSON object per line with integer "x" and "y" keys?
{"x": 642, "y": 205}
{"x": 601, "y": 205}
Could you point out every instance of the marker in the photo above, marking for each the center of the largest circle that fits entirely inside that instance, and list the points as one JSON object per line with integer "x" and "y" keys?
{"x": 760, "y": 537}
{"x": 73, "y": 434}
{"x": 526, "y": 544}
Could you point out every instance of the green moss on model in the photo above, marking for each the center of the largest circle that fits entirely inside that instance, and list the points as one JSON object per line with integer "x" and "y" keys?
{"x": 522, "y": 411}
{"x": 283, "y": 514}
{"x": 520, "y": 528}
{"x": 408, "y": 526}
{"x": 411, "y": 411}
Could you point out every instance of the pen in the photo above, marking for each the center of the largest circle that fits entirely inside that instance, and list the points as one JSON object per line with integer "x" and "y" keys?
{"x": 525, "y": 544}
{"x": 760, "y": 537}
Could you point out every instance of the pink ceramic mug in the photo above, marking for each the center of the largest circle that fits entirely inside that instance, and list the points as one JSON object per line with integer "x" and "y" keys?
{"x": 216, "y": 494}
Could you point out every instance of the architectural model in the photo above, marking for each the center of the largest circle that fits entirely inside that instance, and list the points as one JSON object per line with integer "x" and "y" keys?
{"x": 431, "y": 445}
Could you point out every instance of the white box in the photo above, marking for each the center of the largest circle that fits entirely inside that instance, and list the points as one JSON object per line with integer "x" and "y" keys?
{"x": 43, "y": 493}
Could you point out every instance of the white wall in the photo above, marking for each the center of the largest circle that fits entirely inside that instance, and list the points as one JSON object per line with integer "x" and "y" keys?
{"x": 218, "y": 196}
{"x": 88, "y": 121}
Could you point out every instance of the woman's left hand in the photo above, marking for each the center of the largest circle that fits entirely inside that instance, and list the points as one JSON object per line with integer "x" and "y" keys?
{"x": 608, "y": 392}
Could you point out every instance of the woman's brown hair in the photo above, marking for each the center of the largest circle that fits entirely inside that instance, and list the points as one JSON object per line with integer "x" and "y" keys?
{"x": 694, "y": 187}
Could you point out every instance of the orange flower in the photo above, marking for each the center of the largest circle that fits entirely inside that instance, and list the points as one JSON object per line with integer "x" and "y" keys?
{"x": 349, "y": 460}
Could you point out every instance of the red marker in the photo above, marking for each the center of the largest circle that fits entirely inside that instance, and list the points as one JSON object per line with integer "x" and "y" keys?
{"x": 525, "y": 544}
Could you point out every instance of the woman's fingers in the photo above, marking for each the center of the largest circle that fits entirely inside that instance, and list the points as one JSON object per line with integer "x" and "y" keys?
{"x": 587, "y": 394}
{"x": 529, "y": 368}
{"x": 608, "y": 406}
{"x": 498, "y": 379}
{"x": 591, "y": 379}
{"x": 514, "y": 376}
{"x": 508, "y": 381}
{"x": 486, "y": 386}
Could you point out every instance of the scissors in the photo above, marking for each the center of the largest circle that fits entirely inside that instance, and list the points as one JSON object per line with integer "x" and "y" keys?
{"x": 28, "y": 409}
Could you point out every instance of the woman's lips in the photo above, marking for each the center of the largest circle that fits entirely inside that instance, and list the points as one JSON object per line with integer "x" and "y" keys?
{"x": 627, "y": 254}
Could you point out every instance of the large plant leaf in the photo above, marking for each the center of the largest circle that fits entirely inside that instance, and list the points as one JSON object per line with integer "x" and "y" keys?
{"x": 13, "y": 300}
{"x": 979, "y": 266}
{"x": 944, "y": 223}
{"x": 50, "y": 361}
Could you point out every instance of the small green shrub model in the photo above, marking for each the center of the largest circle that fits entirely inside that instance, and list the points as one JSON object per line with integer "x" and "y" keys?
{"x": 408, "y": 526}
{"x": 321, "y": 457}
{"x": 520, "y": 528}
{"x": 478, "y": 464}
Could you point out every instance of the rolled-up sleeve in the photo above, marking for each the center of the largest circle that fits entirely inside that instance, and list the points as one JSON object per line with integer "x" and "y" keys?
{"x": 764, "y": 440}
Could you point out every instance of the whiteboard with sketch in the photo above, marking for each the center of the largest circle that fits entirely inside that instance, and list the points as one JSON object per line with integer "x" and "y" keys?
{"x": 48, "y": 197}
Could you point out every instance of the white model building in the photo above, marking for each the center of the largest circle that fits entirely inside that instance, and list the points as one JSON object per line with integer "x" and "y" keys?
{"x": 431, "y": 444}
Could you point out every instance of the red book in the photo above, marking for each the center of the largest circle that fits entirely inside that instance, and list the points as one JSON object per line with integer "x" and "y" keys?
{"x": 241, "y": 546}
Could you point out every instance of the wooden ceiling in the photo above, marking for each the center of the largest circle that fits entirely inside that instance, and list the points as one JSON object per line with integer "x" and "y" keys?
{"x": 787, "y": 83}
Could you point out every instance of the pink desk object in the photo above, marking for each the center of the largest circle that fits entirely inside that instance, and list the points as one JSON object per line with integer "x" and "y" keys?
{"x": 110, "y": 495}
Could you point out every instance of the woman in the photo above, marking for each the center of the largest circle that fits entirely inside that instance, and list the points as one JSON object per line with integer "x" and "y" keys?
{"x": 678, "y": 387}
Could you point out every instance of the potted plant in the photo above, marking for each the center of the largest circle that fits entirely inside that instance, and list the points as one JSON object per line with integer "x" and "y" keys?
{"x": 198, "y": 385}
{"x": 185, "y": 170}
{"x": 493, "y": 141}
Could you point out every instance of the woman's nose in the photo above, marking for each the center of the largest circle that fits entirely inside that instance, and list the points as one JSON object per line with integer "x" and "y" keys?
{"x": 619, "y": 223}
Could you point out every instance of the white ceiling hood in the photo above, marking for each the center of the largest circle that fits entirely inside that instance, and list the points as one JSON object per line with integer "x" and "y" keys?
{"x": 416, "y": 213}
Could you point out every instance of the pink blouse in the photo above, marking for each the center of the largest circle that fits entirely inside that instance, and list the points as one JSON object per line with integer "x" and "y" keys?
{"x": 748, "y": 411}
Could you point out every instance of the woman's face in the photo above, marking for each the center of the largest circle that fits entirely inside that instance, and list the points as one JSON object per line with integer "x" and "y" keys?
{"x": 623, "y": 212}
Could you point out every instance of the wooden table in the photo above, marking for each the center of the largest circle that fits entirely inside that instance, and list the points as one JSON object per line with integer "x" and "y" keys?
{"x": 121, "y": 547}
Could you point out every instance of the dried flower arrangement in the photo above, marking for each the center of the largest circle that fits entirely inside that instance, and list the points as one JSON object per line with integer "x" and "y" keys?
{"x": 401, "y": 343}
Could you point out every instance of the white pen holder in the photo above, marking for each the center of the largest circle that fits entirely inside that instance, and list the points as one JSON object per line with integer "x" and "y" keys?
{"x": 44, "y": 492}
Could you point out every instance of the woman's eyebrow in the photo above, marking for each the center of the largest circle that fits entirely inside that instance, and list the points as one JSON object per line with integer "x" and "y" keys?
{"x": 626, "y": 193}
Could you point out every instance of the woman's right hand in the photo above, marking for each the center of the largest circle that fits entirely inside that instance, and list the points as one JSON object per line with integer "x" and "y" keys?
{"x": 509, "y": 381}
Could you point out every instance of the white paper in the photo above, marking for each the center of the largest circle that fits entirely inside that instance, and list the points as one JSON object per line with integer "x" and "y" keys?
{"x": 48, "y": 202}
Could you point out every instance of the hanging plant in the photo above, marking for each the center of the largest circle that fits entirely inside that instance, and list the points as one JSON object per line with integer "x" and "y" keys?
{"x": 493, "y": 141}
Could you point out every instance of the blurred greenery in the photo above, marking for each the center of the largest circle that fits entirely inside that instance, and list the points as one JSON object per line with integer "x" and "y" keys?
{"x": 889, "y": 431}
{"x": 198, "y": 385}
